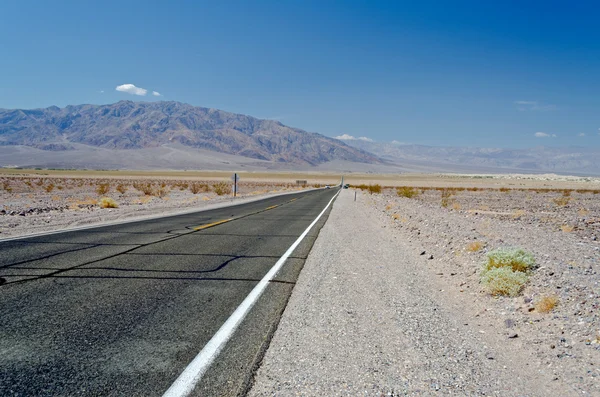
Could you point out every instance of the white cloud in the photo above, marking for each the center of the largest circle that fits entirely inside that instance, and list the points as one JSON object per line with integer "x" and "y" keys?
{"x": 581, "y": 134}
{"x": 131, "y": 89}
{"x": 346, "y": 137}
{"x": 544, "y": 135}
{"x": 101, "y": 91}
{"x": 524, "y": 106}
{"x": 156, "y": 93}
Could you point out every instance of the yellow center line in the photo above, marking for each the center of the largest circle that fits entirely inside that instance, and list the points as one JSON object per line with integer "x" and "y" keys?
{"x": 212, "y": 224}
{"x": 271, "y": 207}
{"x": 293, "y": 199}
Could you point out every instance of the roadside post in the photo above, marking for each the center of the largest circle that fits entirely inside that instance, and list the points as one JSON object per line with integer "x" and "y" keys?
{"x": 235, "y": 178}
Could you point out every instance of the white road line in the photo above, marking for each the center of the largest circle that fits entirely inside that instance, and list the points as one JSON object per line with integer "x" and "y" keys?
{"x": 192, "y": 374}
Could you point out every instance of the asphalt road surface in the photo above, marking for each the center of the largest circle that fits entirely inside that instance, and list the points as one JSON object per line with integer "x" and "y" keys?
{"x": 122, "y": 310}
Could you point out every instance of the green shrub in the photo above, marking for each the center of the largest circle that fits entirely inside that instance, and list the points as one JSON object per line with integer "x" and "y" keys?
{"x": 503, "y": 281}
{"x": 514, "y": 258}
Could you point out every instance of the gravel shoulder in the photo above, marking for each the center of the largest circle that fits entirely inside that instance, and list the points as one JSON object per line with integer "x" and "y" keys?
{"x": 371, "y": 316}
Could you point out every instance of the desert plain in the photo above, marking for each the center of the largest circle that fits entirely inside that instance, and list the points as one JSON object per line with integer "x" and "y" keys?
{"x": 449, "y": 222}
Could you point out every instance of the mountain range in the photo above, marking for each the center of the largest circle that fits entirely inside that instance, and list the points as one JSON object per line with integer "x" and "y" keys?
{"x": 174, "y": 135}
{"x": 128, "y": 125}
{"x": 541, "y": 159}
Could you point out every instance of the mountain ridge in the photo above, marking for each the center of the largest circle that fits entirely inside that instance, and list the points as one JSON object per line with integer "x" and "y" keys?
{"x": 140, "y": 125}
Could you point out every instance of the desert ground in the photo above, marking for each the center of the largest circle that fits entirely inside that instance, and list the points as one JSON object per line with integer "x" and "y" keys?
{"x": 448, "y": 224}
{"x": 555, "y": 315}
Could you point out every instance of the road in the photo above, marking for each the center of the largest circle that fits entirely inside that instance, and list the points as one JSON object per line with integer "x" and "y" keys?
{"x": 123, "y": 309}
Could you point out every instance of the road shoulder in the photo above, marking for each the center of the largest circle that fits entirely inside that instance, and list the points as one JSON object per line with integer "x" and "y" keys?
{"x": 367, "y": 318}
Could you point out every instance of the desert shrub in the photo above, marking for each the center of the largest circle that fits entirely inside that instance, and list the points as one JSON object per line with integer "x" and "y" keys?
{"x": 475, "y": 246}
{"x": 407, "y": 191}
{"x": 107, "y": 202}
{"x": 516, "y": 259}
{"x": 161, "y": 192}
{"x": 446, "y": 195}
{"x": 561, "y": 201}
{"x": 503, "y": 281}
{"x": 102, "y": 188}
{"x": 221, "y": 188}
{"x": 567, "y": 228}
{"x": 196, "y": 187}
{"x": 121, "y": 188}
{"x": 6, "y": 186}
{"x": 374, "y": 188}
{"x": 546, "y": 303}
{"x": 49, "y": 187}
{"x": 504, "y": 189}
{"x": 146, "y": 188}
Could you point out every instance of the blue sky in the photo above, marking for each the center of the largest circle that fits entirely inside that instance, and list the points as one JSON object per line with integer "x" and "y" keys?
{"x": 477, "y": 73}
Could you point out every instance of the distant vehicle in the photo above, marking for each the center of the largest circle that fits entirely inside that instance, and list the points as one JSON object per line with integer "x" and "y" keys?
{"x": 346, "y": 186}
{"x": 327, "y": 187}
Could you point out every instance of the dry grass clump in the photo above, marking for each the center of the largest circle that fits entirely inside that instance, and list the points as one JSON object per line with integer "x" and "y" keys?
{"x": 562, "y": 201}
{"x": 107, "y": 202}
{"x": 121, "y": 188}
{"x": 221, "y": 188}
{"x": 506, "y": 271}
{"x": 475, "y": 246}
{"x": 196, "y": 187}
{"x": 102, "y": 188}
{"x": 49, "y": 187}
{"x": 446, "y": 195}
{"x": 546, "y": 303}
{"x": 146, "y": 188}
{"x": 407, "y": 191}
{"x": 567, "y": 228}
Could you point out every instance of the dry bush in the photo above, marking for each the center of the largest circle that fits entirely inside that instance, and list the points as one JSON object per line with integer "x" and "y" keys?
{"x": 121, "y": 188}
{"x": 107, "y": 202}
{"x": 407, "y": 191}
{"x": 561, "y": 201}
{"x": 146, "y": 188}
{"x": 582, "y": 212}
{"x": 475, "y": 246}
{"x": 196, "y": 187}
{"x": 49, "y": 188}
{"x": 102, "y": 188}
{"x": 396, "y": 216}
{"x": 503, "y": 281}
{"x": 388, "y": 207}
{"x": 567, "y": 228}
{"x": 221, "y": 188}
{"x": 546, "y": 303}
{"x": 161, "y": 192}
{"x": 6, "y": 186}
{"x": 446, "y": 195}
{"x": 518, "y": 214}
{"x": 374, "y": 188}
{"x": 504, "y": 189}
{"x": 456, "y": 206}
